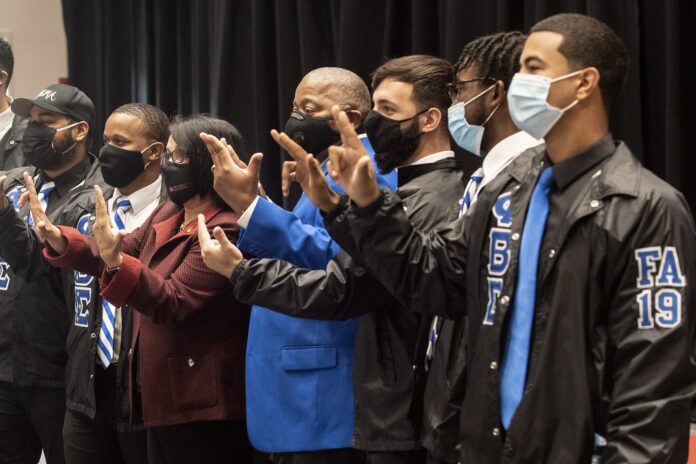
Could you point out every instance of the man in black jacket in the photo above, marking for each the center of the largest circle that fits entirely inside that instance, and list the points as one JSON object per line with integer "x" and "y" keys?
{"x": 33, "y": 319}
{"x": 608, "y": 359}
{"x": 98, "y": 428}
{"x": 11, "y": 126}
{"x": 408, "y": 131}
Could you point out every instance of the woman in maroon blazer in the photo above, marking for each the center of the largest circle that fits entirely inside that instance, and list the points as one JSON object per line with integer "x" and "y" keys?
{"x": 189, "y": 336}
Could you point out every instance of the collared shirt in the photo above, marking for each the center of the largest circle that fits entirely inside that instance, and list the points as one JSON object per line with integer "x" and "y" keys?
{"x": 565, "y": 186}
{"x": 503, "y": 153}
{"x": 143, "y": 203}
{"x": 6, "y": 118}
{"x": 434, "y": 157}
{"x": 65, "y": 184}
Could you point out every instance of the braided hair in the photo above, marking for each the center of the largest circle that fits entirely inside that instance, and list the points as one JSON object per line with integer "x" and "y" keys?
{"x": 496, "y": 55}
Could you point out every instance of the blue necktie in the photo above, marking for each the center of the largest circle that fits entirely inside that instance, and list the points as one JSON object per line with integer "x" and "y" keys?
{"x": 105, "y": 345}
{"x": 513, "y": 373}
{"x": 464, "y": 204}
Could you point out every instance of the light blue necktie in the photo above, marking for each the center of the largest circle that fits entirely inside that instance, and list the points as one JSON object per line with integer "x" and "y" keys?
{"x": 105, "y": 345}
{"x": 44, "y": 192}
{"x": 513, "y": 373}
{"x": 464, "y": 204}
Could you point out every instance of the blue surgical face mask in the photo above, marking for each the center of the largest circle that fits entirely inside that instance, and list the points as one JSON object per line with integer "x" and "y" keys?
{"x": 529, "y": 109}
{"x": 467, "y": 135}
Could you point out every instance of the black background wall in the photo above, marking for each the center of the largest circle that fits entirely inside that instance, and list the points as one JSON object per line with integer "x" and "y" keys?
{"x": 241, "y": 59}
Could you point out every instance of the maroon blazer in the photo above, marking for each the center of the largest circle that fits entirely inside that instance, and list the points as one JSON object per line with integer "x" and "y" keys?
{"x": 189, "y": 331}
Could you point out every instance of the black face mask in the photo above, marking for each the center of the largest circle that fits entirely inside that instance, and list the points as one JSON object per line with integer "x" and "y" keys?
{"x": 178, "y": 181}
{"x": 311, "y": 133}
{"x": 42, "y": 150}
{"x": 392, "y": 146}
{"x": 119, "y": 166}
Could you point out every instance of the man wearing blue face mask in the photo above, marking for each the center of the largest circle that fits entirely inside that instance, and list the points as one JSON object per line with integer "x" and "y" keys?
{"x": 34, "y": 320}
{"x": 479, "y": 122}
{"x": 572, "y": 269}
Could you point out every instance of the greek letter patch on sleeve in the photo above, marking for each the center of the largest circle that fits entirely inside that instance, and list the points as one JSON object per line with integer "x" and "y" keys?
{"x": 660, "y": 279}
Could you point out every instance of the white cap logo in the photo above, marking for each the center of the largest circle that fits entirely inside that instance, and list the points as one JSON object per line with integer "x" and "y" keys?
{"x": 47, "y": 95}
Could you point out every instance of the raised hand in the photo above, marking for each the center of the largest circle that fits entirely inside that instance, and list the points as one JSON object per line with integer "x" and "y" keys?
{"x": 350, "y": 165}
{"x": 218, "y": 253}
{"x": 238, "y": 186}
{"x": 306, "y": 171}
{"x": 46, "y": 230}
{"x": 107, "y": 236}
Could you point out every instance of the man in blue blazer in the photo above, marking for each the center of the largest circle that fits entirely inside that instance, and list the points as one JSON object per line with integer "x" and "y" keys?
{"x": 300, "y": 406}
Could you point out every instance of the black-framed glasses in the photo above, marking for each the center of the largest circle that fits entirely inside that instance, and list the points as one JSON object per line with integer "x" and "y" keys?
{"x": 453, "y": 88}
{"x": 177, "y": 156}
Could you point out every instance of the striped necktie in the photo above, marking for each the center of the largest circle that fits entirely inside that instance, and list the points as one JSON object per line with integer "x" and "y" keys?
{"x": 513, "y": 370}
{"x": 464, "y": 204}
{"x": 44, "y": 192}
{"x": 105, "y": 345}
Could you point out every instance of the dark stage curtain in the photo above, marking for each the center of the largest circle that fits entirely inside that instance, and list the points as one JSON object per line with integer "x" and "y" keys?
{"x": 241, "y": 59}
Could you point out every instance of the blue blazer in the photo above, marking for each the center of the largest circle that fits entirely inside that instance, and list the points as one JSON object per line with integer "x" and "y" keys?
{"x": 299, "y": 391}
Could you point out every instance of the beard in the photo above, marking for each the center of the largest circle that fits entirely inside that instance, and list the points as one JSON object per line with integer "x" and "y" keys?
{"x": 60, "y": 146}
{"x": 389, "y": 160}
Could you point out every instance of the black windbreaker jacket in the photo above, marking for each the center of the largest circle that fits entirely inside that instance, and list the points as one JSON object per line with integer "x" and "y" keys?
{"x": 613, "y": 340}
{"x": 82, "y": 295}
{"x": 34, "y": 319}
{"x": 389, "y": 350}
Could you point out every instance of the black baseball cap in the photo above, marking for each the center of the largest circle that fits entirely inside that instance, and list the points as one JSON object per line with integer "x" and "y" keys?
{"x": 59, "y": 98}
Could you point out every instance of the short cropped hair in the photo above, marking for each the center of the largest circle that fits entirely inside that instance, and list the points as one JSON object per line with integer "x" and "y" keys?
{"x": 587, "y": 41}
{"x": 155, "y": 121}
{"x": 348, "y": 90}
{"x": 6, "y": 60}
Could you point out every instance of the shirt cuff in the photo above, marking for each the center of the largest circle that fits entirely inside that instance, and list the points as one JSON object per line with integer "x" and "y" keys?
{"x": 244, "y": 219}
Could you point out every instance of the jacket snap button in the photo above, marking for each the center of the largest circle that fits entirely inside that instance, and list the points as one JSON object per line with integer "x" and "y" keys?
{"x": 552, "y": 253}
{"x": 594, "y": 203}
{"x": 494, "y": 365}
{"x": 504, "y": 299}
{"x": 91, "y": 376}
{"x": 130, "y": 352}
{"x": 191, "y": 362}
{"x": 515, "y": 236}
{"x": 496, "y": 432}
{"x": 12, "y": 142}
{"x": 92, "y": 335}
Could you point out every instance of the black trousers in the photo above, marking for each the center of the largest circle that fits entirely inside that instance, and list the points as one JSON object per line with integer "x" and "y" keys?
{"x": 219, "y": 442}
{"x": 434, "y": 460}
{"x": 31, "y": 419}
{"x": 332, "y": 456}
{"x": 395, "y": 457}
{"x": 96, "y": 441}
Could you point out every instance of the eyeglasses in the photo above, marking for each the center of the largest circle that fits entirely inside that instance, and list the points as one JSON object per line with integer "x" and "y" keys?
{"x": 453, "y": 88}
{"x": 177, "y": 156}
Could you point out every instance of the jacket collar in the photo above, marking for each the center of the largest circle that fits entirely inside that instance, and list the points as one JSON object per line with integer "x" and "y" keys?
{"x": 619, "y": 175}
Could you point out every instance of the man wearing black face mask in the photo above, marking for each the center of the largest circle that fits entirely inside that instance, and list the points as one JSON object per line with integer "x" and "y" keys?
{"x": 388, "y": 374}
{"x": 299, "y": 372}
{"x": 97, "y": 425}
{"x": 33, "y": 322}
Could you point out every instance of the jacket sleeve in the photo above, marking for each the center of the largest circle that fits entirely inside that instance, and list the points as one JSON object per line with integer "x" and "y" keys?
{"x": 277, "y": 233}
{"x": 341, "y": 291}
{"x": 20, "y": 246}
{"x": 425, "y": 273}
{"x": 173, "y": 298}
{"x": 82, "y": 253}
{"x": 651, "y": 336}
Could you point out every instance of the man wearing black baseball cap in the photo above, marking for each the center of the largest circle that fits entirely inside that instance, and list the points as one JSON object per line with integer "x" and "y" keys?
{"x": 34, "y": 322}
